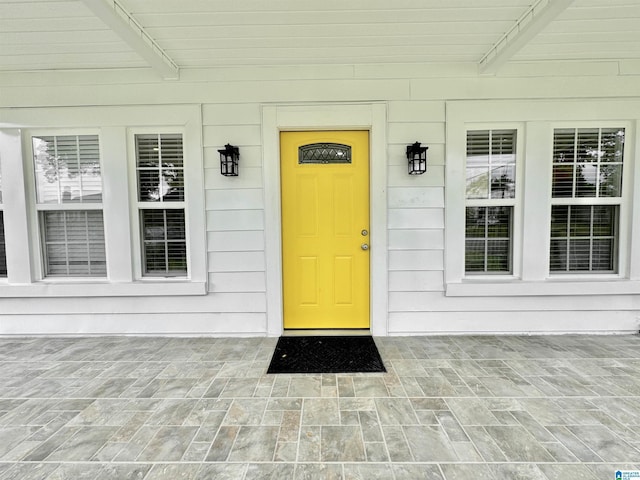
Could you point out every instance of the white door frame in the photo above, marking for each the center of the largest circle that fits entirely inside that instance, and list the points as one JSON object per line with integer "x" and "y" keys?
{"x": 369, "y": 116}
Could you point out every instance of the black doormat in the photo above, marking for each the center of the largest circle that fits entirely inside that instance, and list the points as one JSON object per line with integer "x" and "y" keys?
{"x": 330, "y": 354}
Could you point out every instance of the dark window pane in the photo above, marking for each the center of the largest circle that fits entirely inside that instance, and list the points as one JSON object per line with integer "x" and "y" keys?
{"x": 558, "y": 255}
{"x": 589, "y": 244}
{"x": 148, "y": 151}
{"x": 171, "y": 150}
{"x": 498, "y": 255}
{"x": 503, "y": 146}
{"x": 3, "y": 252}
{"x": 474, "y": 258}
{"x": 149, "y": 185}
{"x": 503, "y": 182}
{"x": 610, "y": 180}
{"x": 564, "y": 145}
{"x": 160, "y": 165}
{"x": 324, "y": 153}
{"x": 586, "y": 179}
{"x": 594, "y": 169}
{"x": 612, "y": 144}
{"x": 588, "y": 150}
{"x": 172, "y": 185}
{"x": 580, "y": 221}
{"x": 164, "y": 243}
{"x": 603, "y": 254}
{"x": 559, "y": 221}
{"x": 488, "y": 239}
{"x": 604, "y": 221}
{"x": 175, "y": 225}
{"x": 579, "y": 255}
{"x": 477, "y": 146}
{"x": 476, "y": 225}
{"x": 562, "y": 185}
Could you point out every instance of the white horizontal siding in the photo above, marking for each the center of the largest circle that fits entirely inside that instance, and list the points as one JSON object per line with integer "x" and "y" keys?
{"x": 232, "y": 241}
{"x": 438, "y": 302}
{"x": 235, "y": 220}
{"x": 416, "y": 323}
{"x": 410, "y": 239}
{"x": 188, "y": 324}
{"x": 235, "y": 205}
{"x": 235, "y": 302}
{"x": 416, "y": 281}
{"x": 416, "y": 204}
{"x": 242, "y": 282}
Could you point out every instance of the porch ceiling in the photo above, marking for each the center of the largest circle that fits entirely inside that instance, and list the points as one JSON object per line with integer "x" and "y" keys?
{"x": 73, "y": 34}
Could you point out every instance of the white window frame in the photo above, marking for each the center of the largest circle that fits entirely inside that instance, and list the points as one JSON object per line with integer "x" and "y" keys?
{"x": 620, "y": 257}
{"x": 137, "y": 205}
{"x": 515, "y": 203}
{"x": 37, "y": 240}
{"x": 539, "y": 119}
{"x": 112, "y": 124}
{"x": 3, "y": 278}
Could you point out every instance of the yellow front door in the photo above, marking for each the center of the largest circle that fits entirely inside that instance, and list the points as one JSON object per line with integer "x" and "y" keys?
{"x": 325, "y": 229}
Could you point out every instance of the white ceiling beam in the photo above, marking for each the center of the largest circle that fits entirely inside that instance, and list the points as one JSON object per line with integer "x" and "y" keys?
{"x": 534, "y": 20}
{"x": 112, "y": 13}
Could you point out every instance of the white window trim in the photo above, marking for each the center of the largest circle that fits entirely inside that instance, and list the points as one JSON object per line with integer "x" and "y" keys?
{"x": 539, "y": 119}
{"x": 516, "y": 203}
{"x": 623, "y": 202}
{"x": 112, "y": 124}
{"x": 137, "y": 205}
{"x": 37, "y": 249}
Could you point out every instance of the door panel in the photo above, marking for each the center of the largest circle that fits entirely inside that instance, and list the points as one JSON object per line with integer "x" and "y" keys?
{"x": 325, "y": 208}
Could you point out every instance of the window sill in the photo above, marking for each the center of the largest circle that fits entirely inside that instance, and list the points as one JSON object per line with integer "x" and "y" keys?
{"x": 86, "y": 288}
{"x": 555, "y": 287}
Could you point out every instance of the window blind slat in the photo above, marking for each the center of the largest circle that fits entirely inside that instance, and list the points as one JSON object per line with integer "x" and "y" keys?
{"x": 67, "y": 169}
{"x": 160, "y": 166}
{"x": 164, "y": 242}
{"x": 587, "y": 162}
{"x": 583, "y": 238}
{"x": 74, "y": 242}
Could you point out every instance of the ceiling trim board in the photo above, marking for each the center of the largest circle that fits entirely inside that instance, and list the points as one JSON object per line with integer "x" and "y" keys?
{"x": 123, "y": 24}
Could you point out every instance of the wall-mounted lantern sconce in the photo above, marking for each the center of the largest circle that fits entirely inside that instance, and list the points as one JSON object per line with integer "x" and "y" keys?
{"x": 417, "y": 157}
{"x": 229, "y": 160}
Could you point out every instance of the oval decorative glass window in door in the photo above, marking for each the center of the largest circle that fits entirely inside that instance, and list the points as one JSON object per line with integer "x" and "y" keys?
{"x": 324, "y": 153}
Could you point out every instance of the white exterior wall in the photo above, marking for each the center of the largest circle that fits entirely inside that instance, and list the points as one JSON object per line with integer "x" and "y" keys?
{"x": 239, "y": 233}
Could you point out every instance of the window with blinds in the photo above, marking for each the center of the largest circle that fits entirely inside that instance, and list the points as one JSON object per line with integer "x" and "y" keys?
{"x": 69, "y": 202}
{"x": 3, "y": 251}
{"x": 490, "y": 199}
{"x": 161, "y": 195}
{"x": 586, "y": 198}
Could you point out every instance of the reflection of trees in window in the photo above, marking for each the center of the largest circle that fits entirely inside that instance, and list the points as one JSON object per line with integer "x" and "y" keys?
{"x": 490, "y": 163}
{"x": 67, "y": 168}
{"x": 490, "y": 192}
{"x": 160, "y": 167}
{"x": 587, "y": 162}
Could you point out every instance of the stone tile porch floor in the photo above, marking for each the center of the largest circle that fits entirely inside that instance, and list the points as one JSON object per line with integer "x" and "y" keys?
{"x": 526, "y": 407}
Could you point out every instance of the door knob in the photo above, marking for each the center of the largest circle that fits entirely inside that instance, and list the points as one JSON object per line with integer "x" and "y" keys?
{"x": 364, "y": 246}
